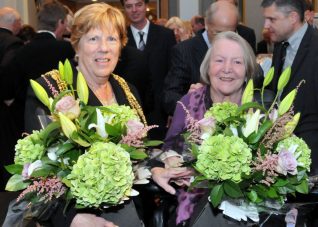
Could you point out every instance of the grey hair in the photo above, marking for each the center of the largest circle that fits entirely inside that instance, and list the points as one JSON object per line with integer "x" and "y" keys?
{"x": 248, "y": 56}
{"x": 8, "y": 16}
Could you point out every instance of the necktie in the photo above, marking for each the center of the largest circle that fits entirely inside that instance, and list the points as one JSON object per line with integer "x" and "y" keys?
{"x": 141, "y": 45}
{"x": 282, "y": 57}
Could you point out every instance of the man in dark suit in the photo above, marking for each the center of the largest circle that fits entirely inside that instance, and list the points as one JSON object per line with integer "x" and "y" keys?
{"x": 285, "y": 21}
{"x": 10, "y": 24}
{"x": 186, "y": 57}
{"x": 156, "y": 43}
{"x": 42, "y": 54}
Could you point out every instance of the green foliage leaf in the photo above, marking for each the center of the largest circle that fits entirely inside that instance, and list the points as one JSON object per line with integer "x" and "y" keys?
{"x": 16, "y": 183}
{"x": 138, "y": 154}
{"x": 252, "y": 195}
{"x": 232, "y": 189}
{"x": 153, "y": 143}
{"x": 248, "y": 106}
{"x": 46, "y": 133}
{"x": 79, "y": 140}
{"x": 194, "y": 150}
{"x": 272, "y": 193}
{"x": 14, "y": 168}
{"x": 280, "y": 182}
{"x": 44, "y": 171}
{"x": 255, "y": 137}
{"x": 64, "y": 147}
{"x": 303, "y": 187}
{"x": 216, "y": 195}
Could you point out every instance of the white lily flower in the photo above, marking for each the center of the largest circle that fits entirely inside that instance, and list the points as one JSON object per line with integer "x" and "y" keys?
{"x": 234, "y": 130}
{"x": 35, "y": 165}
{"x": 252, "y": 122}
{"x": 101, "y": 121}
{"x": 51, "y": 153}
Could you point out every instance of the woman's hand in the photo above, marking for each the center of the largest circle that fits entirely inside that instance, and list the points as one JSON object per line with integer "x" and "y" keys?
{"x": 88, "y": 220}
{"x": 162, "y": 176}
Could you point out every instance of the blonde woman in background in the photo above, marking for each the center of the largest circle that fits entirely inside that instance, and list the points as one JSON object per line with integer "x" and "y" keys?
{"x": 179, "y": 28}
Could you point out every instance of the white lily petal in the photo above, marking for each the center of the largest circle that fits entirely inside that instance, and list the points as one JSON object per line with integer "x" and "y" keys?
{"x": 293, "y": 148}
{"x": 134, "y": 192}
{"x": 252, "y": 122}
{"x": 234, "y": 130}
{"x": 142, "y": 181}
{"x": 35, "y": 165}
{"x": 52, "y": 155}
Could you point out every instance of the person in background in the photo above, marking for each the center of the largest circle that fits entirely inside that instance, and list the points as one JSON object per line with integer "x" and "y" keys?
{"x": 156, "y": 42}
{"x": 266, "y": 46}
{"x": 179, "y": 28}
{"x": 27, "y": 33}
{"x": 246, "y": 32}
{"x": 187, "y": 56}
{"x": 10, "y": 24}
{"x": 98, "y": 35}
{"x": 197, "y": 24}
{"x": 309, "y": 12}
{"x": 189, "y": 30}
{"x": 229, "y": 58}
{"x": 286, "y": 22}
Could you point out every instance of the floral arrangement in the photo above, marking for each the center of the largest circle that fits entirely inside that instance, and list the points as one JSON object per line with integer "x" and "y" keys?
{"x": 248, "y": 153}
{"x": 85, "y": 154}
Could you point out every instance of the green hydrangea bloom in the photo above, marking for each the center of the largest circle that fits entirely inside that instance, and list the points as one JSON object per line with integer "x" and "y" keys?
{"x": 122, "y": 113}
{"x": 29, "y": 149}
{"x": 102, "y": 175}
{"x": 224, "y": 158}
{"x": 222, "y": 111}
{"x": 302, "y": 152}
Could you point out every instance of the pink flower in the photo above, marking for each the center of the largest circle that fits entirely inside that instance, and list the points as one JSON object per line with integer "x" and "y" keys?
{"x": 207, "y": 127}
{"x": 287, "y": 163}
{"x": 68, "y": 106}
{"x": 133, "y": 126}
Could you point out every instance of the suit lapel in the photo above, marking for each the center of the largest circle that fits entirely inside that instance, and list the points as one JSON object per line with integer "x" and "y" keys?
{"x": 152, "y": 36}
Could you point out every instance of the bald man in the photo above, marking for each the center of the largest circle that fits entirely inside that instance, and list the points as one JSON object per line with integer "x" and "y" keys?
{"x": 246, "y": 32}
{"x": 10, "y": 25}
{"x": 186, "y": 57}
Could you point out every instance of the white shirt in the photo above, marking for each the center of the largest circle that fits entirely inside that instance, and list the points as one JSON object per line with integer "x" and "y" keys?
{"x": 136, "y": 34}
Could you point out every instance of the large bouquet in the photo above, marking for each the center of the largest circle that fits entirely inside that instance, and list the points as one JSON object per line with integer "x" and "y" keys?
{"x": 247, "y": 155}
{"x": 85, "y": 154}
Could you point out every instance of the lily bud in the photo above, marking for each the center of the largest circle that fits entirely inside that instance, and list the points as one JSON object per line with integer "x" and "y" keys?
{"x": 269, "y": 77}
{"x": 68, "y": 72}
{"x": 290, "y": 126}
{"x": 82, "y": 88}
{"x": 286, "y": 103}
{"x": 248, "y": 92}
{"x": 68, "y": 127}
{"x": 284, "y": 78}
{"x": 61, "y": 70}
{"x": 40, "y": 93}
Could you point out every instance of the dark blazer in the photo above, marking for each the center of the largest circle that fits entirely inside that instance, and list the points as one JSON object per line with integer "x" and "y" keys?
{"x": 9, "y": 42}
{"x": 132, "y": 66}
{"x": 186, "y": 58}
{"x": 304, "y": 67}
{"x": 262, "y": 47}
{"x": 159, "y": 43}
{"x": 248, "y": 34}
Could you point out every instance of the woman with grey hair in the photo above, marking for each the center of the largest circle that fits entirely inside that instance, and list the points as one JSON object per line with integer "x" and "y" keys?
{"x": 228, "y": 64}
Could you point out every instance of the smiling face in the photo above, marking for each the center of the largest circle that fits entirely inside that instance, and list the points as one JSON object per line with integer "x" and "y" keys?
{"x": 136, "y": 12}
{"x": 98, "y": 52}
{"x": 226, "y": 69}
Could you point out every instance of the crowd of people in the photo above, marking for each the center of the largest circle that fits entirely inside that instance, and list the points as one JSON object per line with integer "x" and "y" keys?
{"x": 202, "y": 61}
